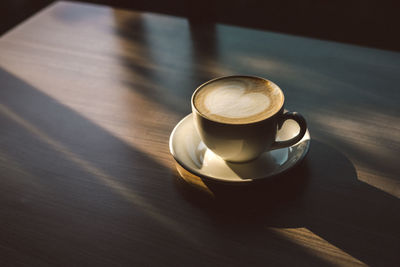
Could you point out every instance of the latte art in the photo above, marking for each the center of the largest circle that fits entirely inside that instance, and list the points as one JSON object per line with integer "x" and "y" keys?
{"x": 238, "y": 99}
{"x": 232, "y": 101}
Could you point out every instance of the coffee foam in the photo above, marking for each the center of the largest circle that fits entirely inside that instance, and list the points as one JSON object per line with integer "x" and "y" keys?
{"x": 232, "y": 101}
{"x": 239, "y": 99}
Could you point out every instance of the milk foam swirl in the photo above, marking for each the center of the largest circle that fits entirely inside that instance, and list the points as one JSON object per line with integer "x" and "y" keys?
{"x": 238, "y": 99}
{"x": 232, "y": 101}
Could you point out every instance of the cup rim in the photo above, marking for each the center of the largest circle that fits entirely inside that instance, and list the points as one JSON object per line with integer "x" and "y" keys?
{"x": 194, "y": 108}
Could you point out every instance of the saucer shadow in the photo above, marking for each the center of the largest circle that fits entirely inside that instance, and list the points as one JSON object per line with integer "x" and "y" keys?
{"x": 321, "y": 194}
{"x": 228, "y": 200}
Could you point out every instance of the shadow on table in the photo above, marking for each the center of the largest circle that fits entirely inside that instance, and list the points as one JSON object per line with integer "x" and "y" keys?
{"x": 322, "y": 195}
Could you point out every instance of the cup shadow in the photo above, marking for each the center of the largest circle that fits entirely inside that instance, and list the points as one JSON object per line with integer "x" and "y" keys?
{"x": 322, "y": 194}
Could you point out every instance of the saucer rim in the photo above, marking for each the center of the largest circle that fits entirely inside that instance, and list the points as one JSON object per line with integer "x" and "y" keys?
{"x": 171, "y": 149}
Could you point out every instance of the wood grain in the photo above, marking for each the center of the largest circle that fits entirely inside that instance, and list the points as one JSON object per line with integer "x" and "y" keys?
{"x": 88, "y": 98}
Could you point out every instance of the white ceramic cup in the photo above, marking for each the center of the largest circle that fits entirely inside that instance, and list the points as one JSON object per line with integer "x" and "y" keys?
{"x": 244, "y": 141}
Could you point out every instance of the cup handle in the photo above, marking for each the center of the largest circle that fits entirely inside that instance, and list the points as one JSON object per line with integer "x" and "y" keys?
{"x": 303, "y": 128}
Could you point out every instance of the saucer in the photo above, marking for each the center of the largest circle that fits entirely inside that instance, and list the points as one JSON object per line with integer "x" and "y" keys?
{"x": 193, "y": 156}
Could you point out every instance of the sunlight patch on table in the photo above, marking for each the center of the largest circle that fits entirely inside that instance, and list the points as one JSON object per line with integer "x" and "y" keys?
{"x": 119, "y": 110}
{"x": 317, "y": 246}
{"x": 366, "y": 138}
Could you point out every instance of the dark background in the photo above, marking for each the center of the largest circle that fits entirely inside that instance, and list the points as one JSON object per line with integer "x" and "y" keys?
{"x": 370, "y": 23}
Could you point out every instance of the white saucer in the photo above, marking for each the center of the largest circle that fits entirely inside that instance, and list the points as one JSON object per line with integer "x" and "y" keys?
{"x": 191, "y": 154}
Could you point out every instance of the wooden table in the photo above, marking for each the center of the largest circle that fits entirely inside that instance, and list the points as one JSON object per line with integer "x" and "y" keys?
{"x": 88, "y": 98}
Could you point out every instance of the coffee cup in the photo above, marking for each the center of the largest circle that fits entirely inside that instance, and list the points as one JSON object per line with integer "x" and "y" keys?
{"x": 238, "y": 117}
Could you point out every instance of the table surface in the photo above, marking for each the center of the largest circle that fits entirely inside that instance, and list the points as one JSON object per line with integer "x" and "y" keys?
{"x": 88, "y": 98}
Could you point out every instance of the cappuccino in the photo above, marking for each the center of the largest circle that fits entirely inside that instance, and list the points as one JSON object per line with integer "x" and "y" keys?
{"x": 238, "y": 99}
